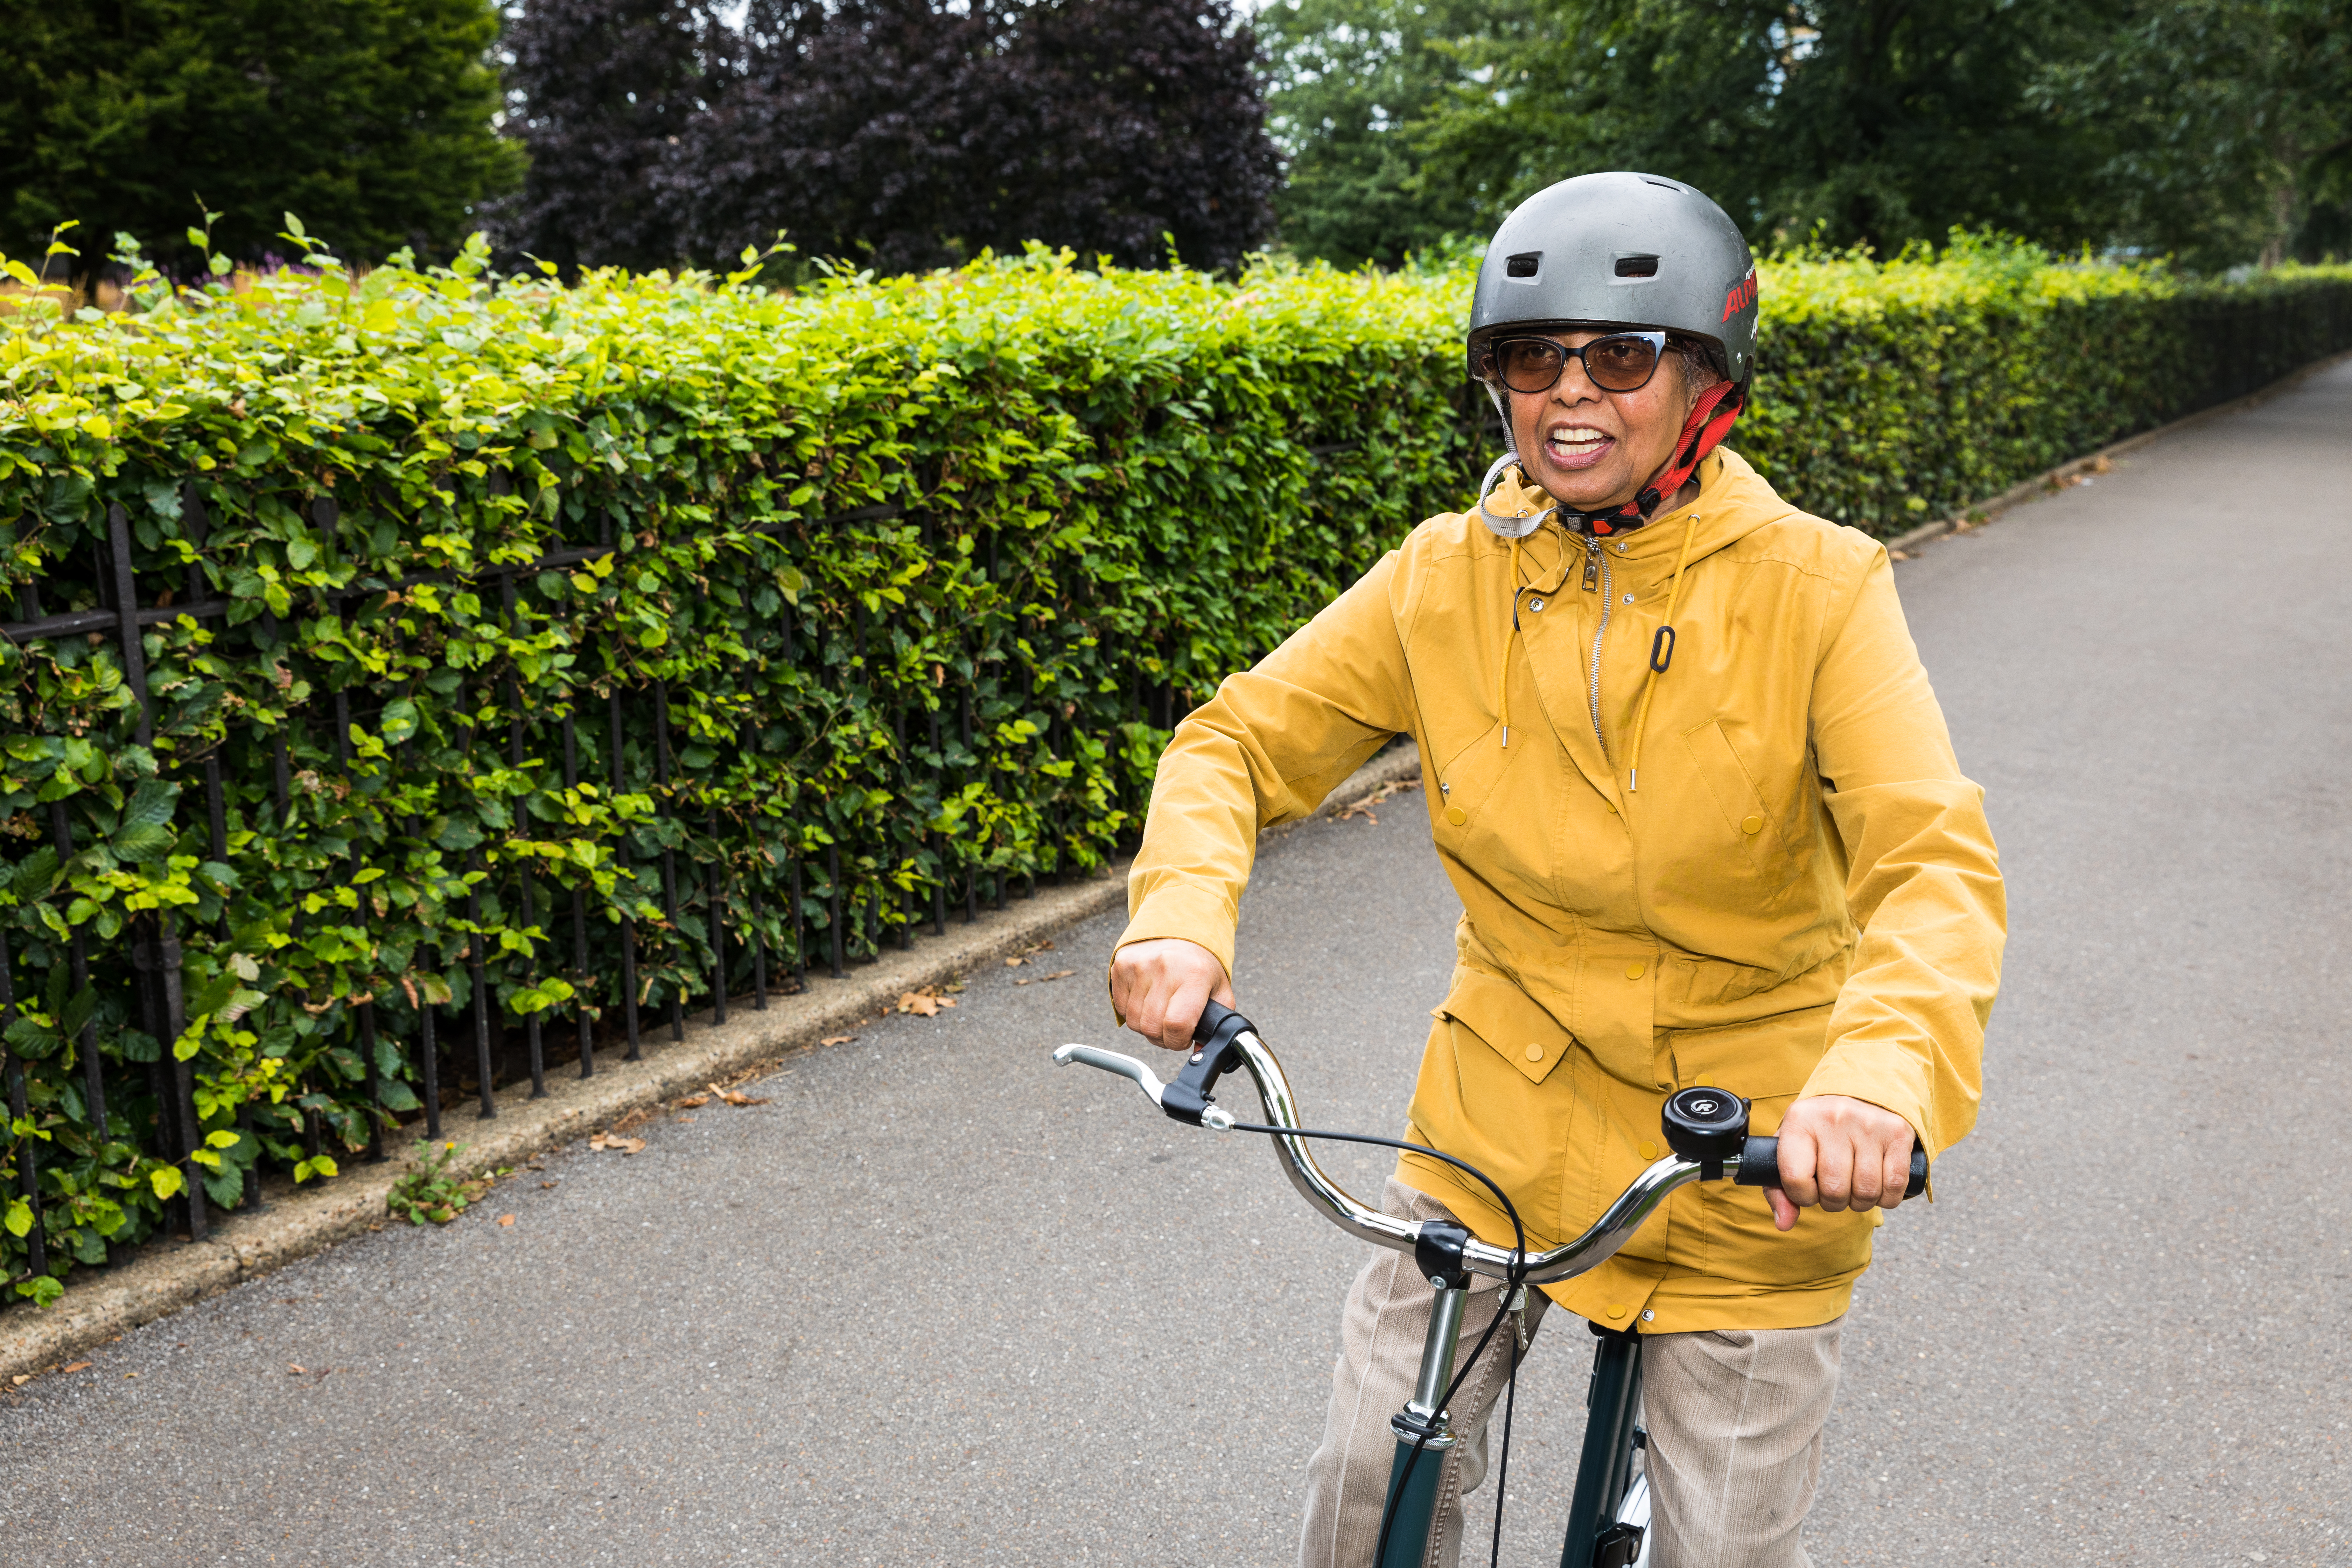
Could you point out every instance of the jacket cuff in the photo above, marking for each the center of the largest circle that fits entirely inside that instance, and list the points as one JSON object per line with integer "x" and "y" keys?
{"x": 1195, "y": 914}
{"x": 1890, "y": 1085}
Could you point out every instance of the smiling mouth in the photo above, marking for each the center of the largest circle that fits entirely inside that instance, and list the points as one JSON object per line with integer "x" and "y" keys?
{"x": 1577, "y": 446}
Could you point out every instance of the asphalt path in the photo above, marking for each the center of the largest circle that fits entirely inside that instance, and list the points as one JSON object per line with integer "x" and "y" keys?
{"x": 937, "y": 1302}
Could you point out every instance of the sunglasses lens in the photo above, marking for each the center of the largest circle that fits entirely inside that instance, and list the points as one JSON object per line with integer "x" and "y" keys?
{"x": 1529, "y": 364}
{"x": 1621, "y": 364}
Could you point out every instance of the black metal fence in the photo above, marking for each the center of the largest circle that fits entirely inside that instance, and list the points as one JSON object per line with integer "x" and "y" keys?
{"x": 743, "y": 934}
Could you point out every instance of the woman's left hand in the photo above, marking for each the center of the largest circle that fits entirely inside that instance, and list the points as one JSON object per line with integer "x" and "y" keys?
{"x": 1841, "y": 1153}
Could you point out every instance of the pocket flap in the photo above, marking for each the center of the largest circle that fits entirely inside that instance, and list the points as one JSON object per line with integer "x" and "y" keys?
{"x": 1512, "y": 1023}
{"x": 1760, "y": 1059}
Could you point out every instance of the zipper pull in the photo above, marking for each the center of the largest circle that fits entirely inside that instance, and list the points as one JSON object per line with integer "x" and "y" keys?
{"x": 1592, "y": 563}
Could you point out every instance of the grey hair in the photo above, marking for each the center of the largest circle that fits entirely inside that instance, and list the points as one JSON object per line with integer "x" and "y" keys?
{"x": 1702, "y": 362}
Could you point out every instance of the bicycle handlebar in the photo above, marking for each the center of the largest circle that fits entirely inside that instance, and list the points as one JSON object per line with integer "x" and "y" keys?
{"x": 1705, "y": 1131}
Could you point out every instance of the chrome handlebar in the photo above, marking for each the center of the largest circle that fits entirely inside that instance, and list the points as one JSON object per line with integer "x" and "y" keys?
{"x": 1594, "y": 1248}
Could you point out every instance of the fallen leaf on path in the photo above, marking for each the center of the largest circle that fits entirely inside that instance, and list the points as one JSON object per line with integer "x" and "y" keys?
{"x": 74, "y": 1366}
{"x": 837, "y": 1039}
{"x": 1012, "y": 963}
{"x": 21, "y": 1379}
{"x": 1057, "y": 974}
{"x": 293, "y": 1370}
{"x": 924, "y": 1003}
{"x": 613, "y": 1141}
{"x": 506, "y": 1219}
{"x": 691, "y": 1103}
{"x": 546, "y": 1184}
{"x": 685, "y": 1120}
{"x": 732, "y": 1098}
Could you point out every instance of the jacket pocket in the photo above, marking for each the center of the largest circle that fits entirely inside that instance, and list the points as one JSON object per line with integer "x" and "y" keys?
{"x": 1763, "y": 1059}
{"x": 1509, "y": 1022}
{"x": 1745, "y": 813}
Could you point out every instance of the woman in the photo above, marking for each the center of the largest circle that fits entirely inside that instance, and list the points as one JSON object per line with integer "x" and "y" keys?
{"x": 1687, "y": 775}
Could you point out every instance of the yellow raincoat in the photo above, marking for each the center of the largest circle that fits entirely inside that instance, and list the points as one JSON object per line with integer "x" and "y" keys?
{"x": 1760, "y": 869}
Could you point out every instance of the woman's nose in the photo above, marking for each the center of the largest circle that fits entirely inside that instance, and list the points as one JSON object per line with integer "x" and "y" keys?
{"x": 1574, "y": 386}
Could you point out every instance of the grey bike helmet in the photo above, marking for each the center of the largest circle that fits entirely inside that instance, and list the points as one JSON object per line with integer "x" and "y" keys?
{"x": 1621, "y": 250}
{"x": 1624, "y": 249}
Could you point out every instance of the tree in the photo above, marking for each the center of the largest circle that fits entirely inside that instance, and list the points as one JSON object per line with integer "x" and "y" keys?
{"x": 899, "y": 134}
{"x": 1125, "y": 125}
{"x": 1874, "y": 121}
{"x": 1345, "y": 78}
{"x": 846, "y": 125}
{"x": 2219, "y": 130}
{"x": 2229, "y": 125}
{"x": 372, "y": 119}
{"x": 605, "y": 90}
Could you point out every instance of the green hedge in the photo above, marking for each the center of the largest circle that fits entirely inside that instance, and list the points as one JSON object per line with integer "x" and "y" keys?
{"x": 1895, "y": 394}
{"x": 801, "y": 542}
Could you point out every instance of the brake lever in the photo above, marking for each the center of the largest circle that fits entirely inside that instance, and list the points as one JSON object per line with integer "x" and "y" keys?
{"x": 1215, "y": 1118}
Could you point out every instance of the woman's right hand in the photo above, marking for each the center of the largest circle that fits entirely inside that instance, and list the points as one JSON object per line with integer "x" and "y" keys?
{"x": 1160, "y": 987}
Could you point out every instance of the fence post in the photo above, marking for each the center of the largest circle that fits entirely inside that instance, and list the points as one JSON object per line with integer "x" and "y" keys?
{"x": 579, "y": 899}
{"x": 628, "y": 924}
{"x": 668, "y": 857}
{"x": 28, "y": 1164}
{"x": 159, "y": 954}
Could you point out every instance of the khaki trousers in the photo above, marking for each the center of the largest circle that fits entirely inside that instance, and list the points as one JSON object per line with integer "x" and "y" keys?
{"x": 1733, "y": 1421}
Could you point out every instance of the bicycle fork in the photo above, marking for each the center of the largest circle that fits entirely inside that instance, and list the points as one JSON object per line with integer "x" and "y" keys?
{"x": 1608, "y": 1521}
{"x": 1423, "y": 1428}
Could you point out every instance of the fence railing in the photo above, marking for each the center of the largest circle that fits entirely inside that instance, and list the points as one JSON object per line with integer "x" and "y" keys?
{"x": 745, "y": 930}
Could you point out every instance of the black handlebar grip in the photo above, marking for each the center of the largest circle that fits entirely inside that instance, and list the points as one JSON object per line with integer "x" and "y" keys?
{"x": 1194, "y": 1089}
{"x": 1217, "y": 1025}
{"x": 1760, "y": 1166}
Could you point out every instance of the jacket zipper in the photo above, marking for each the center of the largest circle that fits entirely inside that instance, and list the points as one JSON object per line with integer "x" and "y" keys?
{"x": 1596, "y": 571}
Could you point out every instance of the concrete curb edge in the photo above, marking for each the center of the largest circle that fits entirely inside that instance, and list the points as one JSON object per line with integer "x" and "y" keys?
{"x": 165, "y": 1278}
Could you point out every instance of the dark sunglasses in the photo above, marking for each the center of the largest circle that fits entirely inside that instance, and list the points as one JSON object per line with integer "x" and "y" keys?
{"x": 1622, "y": 361}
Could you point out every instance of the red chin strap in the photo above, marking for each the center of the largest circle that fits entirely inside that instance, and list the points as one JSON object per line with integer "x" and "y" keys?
{"x": 1711, "y": 418}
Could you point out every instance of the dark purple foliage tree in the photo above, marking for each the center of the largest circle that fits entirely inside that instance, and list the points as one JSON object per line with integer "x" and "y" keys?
{"x": 602, "y": 90}
{"x": 896, "y": 133}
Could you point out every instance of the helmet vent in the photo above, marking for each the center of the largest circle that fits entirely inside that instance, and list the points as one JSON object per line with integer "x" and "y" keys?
{"x": 1664, "y": 184}
{"x": 1524, "y": 266}
{"x": 1637, "y": 266}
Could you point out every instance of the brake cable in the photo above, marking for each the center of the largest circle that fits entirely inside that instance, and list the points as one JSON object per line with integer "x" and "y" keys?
{"x": 1514, "y": 1281}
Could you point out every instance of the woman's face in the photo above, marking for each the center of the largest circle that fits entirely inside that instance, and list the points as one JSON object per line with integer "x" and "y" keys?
{"x": 1594, "y": 450}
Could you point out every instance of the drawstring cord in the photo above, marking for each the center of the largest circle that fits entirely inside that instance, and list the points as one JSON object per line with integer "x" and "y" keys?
{"x": 1503, "y": 679}
{"x": 1662, "y": 653}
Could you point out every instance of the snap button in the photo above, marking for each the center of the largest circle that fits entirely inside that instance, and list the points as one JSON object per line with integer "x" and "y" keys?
{"x": 1649, "y": 1149}
{"x": 1751, "y": 824}
{"x": 1536, "y": 605}
{"x": 1457, "y": 816}
{"x": 1617, "y": 1309}
{"x": 1535, "y": 1053}
{"x": 1635, "y": 970}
